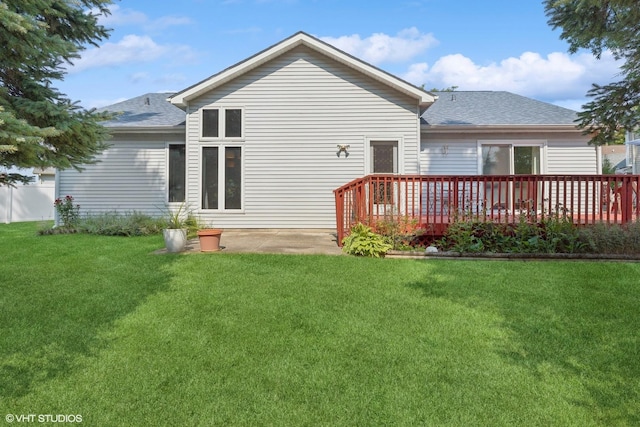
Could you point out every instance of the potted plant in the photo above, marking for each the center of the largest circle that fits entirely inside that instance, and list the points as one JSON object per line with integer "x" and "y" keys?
{"x": 209, "y": 239}
{"x": 175, "y": 235}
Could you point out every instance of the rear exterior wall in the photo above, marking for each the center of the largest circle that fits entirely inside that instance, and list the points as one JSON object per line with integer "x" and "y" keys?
{"x": 296, "y": 109}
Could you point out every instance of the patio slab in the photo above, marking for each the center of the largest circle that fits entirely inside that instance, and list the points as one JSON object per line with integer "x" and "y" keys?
{"x": 276, "y": 241}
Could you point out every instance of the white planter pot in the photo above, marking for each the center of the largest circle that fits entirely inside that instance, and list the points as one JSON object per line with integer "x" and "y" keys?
{"x": 175, "y": 239}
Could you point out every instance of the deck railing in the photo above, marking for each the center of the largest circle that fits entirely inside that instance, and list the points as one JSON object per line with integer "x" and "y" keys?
{"x": 433, "y": 202}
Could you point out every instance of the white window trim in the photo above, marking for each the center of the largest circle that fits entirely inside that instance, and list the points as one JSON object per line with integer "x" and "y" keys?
{"x": 382, "y": 138}
{"x": 221, "y": 123}
{"x": 221, "y": 150}
{"x": 514, "y": 143}
{"x": 166, "y": 172}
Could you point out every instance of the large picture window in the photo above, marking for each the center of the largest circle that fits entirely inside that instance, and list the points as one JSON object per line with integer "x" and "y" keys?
{"x": 222, "y": 123}
{"x": 222, "y": 178}
{"x": 177, "y": 175}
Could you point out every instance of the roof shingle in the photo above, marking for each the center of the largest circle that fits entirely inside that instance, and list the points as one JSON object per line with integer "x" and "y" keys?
{"x": 149, "y": 110}
{"x": 486, "y": 108}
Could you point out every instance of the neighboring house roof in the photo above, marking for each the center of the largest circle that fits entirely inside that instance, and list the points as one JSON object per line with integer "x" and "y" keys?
{"x": 182, "y": 98}
{"x": 44, "y": 171}
{"x": 146, "y": 111}
{"x": 488, "y": 108}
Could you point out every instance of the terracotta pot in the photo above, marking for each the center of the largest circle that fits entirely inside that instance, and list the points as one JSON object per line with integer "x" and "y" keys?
{"x": 209, "y": 239}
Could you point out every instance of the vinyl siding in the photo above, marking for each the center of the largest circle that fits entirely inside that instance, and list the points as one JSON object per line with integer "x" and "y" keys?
{"x": 458, "y": 158}
{"x": 567, "y": 158}
{"x": 130, "y": 175}
{"x": 297, "y": 109}
{"x": 564, "y": 154}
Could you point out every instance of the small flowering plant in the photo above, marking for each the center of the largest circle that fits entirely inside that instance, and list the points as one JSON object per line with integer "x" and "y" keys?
{"x": 68, "y": 213}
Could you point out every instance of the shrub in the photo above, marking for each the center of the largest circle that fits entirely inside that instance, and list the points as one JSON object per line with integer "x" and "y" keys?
{"x": 364, "y": 242}
{"x": 611, "y": 238}
{"x": 121, "y": 224}
{"x": 68, "y": 213}
{"x": 401, "y": 231}
{"x": 550, "y": 235}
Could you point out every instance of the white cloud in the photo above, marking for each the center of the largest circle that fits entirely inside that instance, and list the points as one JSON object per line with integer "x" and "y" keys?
{"x": 99, "y": 103}
{"x": 171, "y": 78}
{"x": 379, "y": 48}
{"x": 120, "y": 16}
{"x": 130, "y": 49}
{"x": 572, "y": 104}
{"x": 139, "y": 77}
{"x": 168, "y": 21}
{"x": 556, "y": 76}
{"x": 247, "y": 30}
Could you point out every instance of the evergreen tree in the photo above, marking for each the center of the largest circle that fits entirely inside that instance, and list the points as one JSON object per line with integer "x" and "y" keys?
{"x": 598, "y": 26}
{"x": 39, "y": 126}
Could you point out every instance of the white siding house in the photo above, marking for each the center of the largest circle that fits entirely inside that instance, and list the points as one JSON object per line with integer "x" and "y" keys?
{"x": 295, "y": 111}
{"x": 264, "y": 143}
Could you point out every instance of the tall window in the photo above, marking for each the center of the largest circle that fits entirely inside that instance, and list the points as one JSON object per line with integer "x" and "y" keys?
{"x": 177, "y": 176}
{"x": 210, "y": 178}
{"x": 222, "y": 123}
{"x": 222, "y": 178}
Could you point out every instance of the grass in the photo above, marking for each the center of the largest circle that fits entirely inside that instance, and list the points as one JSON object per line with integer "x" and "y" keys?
{"x": 99, "y": 326}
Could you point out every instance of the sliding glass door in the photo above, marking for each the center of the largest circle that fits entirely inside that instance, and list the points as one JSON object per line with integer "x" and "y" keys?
{"x": 509, "y": 159}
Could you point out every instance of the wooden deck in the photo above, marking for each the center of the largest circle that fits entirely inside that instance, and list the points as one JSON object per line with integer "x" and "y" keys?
{"x": 431, "y": 203}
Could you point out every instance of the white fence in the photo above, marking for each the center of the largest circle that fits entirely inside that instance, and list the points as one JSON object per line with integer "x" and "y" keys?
{"x": 32, "y": 202}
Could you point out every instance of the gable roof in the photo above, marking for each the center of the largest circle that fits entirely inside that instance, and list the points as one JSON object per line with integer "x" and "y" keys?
{"x": 488, "y": 108}
{"x": 182, "y": 98}
{"x": 150, "y": 110}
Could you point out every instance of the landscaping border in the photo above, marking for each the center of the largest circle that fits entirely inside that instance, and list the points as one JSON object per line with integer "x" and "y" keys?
{"x": 513, "y": 256}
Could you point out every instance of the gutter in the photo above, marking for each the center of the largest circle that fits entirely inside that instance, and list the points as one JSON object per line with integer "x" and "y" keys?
{"x": 147, "y": 129}
{"x": 494, "y": 128}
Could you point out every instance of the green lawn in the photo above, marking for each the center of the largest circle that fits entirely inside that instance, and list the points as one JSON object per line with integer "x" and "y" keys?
{"x": 103, "y": 328}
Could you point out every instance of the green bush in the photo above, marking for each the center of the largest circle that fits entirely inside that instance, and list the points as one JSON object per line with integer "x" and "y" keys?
{"x": 611, "y": 238}
{"x": 551, "y": 235}
{"x": 364, "y": 242}
{"x": 68, "y": 213}
{"x": 121, "y": 224}
{"x": 401, "y": 232}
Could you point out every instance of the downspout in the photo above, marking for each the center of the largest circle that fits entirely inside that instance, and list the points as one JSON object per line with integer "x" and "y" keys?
{"x": 56, "y": 196}
{"x": 419, "y": 149}
{"x": 598, "y": 160}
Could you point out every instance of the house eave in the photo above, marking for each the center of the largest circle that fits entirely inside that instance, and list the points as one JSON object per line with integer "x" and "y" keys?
{"x": 434, "y": 129}
{"x": 181, "y": 99}
{"x": 147, "y": 129}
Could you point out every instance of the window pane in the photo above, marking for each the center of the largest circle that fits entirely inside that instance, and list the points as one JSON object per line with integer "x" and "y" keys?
{"x": 210, "y": 178}
{"x": 526, "y": 160}
{"x": 495, "y": 160}
{"x": 233, "y": 123}
{"x": 233, "y": 178}
{"x": 384, "y": 157}
{"x": 176, "y": 173}
{"x": 210, "y": 123}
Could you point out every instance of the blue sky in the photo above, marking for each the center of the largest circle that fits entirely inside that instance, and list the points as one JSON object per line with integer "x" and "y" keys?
{"x": 158, "y": 46}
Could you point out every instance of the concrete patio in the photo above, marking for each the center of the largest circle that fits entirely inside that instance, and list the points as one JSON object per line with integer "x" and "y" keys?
{"x": 277, "y": 241}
